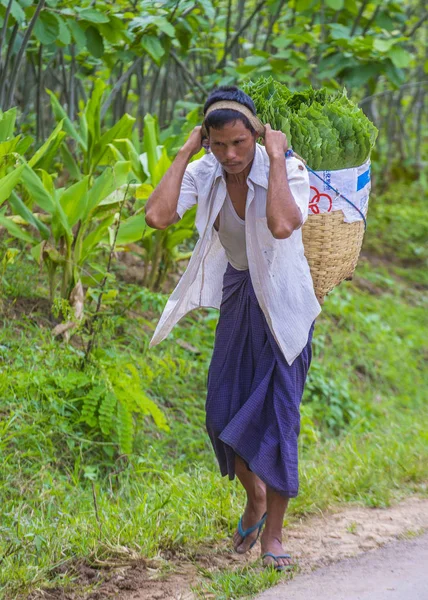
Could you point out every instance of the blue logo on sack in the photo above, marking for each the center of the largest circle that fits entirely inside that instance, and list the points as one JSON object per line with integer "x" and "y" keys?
{"x": 363, "y": 180}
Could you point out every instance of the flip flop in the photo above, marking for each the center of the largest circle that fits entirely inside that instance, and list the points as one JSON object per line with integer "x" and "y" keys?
{"x": 244, "y": 533}
{"x": 276, "y": 558}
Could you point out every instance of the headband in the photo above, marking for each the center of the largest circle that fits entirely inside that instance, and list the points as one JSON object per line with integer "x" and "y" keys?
{"x": 253, "y": 119}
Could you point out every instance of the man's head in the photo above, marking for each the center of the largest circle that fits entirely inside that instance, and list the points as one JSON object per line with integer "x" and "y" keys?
{"x": 232, "y": 137}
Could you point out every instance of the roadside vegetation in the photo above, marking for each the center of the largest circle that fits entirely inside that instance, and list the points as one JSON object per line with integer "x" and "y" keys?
{"x": 103, "y": 451}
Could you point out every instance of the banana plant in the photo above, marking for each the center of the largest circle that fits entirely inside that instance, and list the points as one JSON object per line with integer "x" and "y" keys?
{"x": 88, "y": 147}
{"x": 64, "y": 225}
{"x": 11, "y": 147}
{"x": 160, "y": 249}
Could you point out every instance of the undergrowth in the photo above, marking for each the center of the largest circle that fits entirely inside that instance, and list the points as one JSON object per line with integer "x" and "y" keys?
{"x": 114, "y": 455}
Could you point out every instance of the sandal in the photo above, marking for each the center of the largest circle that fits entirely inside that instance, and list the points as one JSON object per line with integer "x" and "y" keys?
{"x": 244, "y": 533}
{"x": 276, "y": 559}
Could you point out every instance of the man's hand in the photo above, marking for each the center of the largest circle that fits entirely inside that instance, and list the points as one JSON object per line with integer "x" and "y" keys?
{"x": 275, "y": 142}
{"x": 194, "y": 142}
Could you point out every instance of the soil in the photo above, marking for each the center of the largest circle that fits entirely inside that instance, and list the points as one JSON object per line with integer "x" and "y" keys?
{"x": 313, "y": 541}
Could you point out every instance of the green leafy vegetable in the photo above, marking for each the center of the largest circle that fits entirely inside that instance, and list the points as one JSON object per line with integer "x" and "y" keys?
{"x": 328, "y": 130}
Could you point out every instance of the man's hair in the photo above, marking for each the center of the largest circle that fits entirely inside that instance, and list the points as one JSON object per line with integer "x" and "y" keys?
{"x": 218, "y": 118}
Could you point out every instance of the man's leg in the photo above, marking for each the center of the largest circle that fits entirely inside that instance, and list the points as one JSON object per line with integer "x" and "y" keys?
{"x": 271, "y": 539}
{"x": 256, "y": 504}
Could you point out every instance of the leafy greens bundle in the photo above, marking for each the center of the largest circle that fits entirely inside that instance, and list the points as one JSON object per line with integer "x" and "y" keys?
{"x": 328, "y": 130}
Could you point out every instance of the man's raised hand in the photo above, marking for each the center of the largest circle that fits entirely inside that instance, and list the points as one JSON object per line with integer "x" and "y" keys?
{"x": 193, "y": 143}
{"x": 275, "y": 142}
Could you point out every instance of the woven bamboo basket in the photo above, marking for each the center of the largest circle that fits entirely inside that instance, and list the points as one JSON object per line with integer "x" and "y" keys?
{"x": 332, "y": 248}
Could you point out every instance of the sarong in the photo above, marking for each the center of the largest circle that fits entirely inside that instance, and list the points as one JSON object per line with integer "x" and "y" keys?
{"x": 254, "y": 395}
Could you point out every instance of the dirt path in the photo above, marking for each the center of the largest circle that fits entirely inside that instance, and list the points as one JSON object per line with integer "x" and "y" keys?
{"x": 314, "y": 542}
{"x": 398, "y": 571}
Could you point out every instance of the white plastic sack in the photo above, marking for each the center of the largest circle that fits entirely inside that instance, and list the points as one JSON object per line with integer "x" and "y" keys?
{"x": 354, "y": 184}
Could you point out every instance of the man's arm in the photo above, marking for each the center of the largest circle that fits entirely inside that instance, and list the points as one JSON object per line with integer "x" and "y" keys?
{"x": 283, "y": 214}
{"x": 161, "y": 207}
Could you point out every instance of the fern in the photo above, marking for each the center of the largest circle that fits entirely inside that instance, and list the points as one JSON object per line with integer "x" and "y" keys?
{"x": 90, "y": 405}
{"x": 111, "y": 406}
{"x": 125, "y": 428}
{"x": 106, "y": 412}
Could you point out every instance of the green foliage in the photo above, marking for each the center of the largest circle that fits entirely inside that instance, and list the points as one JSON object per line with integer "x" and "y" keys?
{"x": 240, "y": 583}
{"x": 62, "y": 429}
{"x": 398, "y": 226}
{"x": 161, "y": 249}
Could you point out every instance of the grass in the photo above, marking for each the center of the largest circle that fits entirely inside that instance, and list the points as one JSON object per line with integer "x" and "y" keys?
{"x": 68, "y": 493}
{"x": 243, "y": 582}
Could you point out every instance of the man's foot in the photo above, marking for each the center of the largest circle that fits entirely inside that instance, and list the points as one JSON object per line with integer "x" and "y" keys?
{"x": 252, "y": 515}
{"x": 272, "y": 545}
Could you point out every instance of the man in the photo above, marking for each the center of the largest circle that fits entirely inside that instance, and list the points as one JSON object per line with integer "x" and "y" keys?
{"x": 249, "y": 261}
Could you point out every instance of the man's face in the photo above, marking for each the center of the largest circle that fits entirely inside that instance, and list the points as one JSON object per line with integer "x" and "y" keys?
{"x": 233, "y": 146}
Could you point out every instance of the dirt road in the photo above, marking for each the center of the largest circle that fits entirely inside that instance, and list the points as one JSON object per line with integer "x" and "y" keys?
{"x": 398, "y": 571}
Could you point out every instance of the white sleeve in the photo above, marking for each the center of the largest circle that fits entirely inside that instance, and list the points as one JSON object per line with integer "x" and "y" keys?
{"x": 298, "y": 180}
{"x": 188, "y": 194}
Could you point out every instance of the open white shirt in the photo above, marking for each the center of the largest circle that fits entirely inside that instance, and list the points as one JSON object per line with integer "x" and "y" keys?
{"x": 278, "y": 268}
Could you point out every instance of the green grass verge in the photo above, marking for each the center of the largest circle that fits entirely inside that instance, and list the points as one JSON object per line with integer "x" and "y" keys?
{"x": 67, "y": 493}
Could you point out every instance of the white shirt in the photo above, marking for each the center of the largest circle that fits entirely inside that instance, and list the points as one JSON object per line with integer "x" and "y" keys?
{"x": 278, "y": 268}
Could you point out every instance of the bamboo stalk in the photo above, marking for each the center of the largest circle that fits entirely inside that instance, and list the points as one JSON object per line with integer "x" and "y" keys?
{"x": 3, "y": 79}
{"x": 3, "y": 33}
{"x": 39, "y": 116}
{"x": 21, "y": 52}
{"x": 117, "y": 86}
{"x": 358, "y": 19}
{"x": 72, "y": 83}
{"x": 272, "y": 22}
{"x": 237, "y": 35}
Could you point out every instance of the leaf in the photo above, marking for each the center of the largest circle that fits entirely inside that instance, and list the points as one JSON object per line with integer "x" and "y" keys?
{"x": 335, "y": 4}
{"x": 153, "y": 47}
{"x": 78, "y": 34}
{"x": 16, "y": 10}
{"x": 131, "y": 230}
{"x": 208, "y": 7}
{"x": 110, "y": 180}
{"x": 70, "y": 163}
{"x": 125, "y": 428}
{"x": 165, "y": 26}
{"x": 38, "y": 194}
{"x": 143, "y": 191}
{"x": 177, "y": 237}
{"x": 383, "y": 45}
{"x": 14, "y": 229}
{"x": 400, "y": 58}
{"x": 128, "y": 151}
{"x": 8, "y": 182}
{"x": 7, "y": 124}
{"x": 161, "y": 167}
{"x": 64, "y": 35}
{"x": 92, "y": 114}
{"x": 361, "y": 75}
{"x": 338, "y": 31}
{"x": 38, "y": 155}
{"x": 74, "y": 200}
{"x": 302, "y": 5}
{"x": 112, "y": 33}
{"x": 94, "y": 42}
{"x": 24, "y": 144}
{"x": 46, "y": 28}
{"x": 93, "y": 238}
{"x": 23, "y": 211}
{"x": 150, "y": 144}
{"x": 122, "y": 129}
{"x": 61, "y": 115}
{"x": 93, "y": 16}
